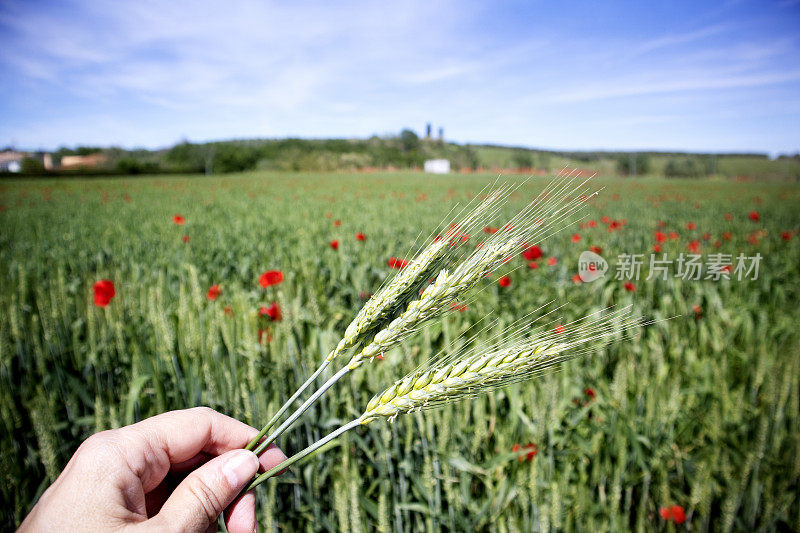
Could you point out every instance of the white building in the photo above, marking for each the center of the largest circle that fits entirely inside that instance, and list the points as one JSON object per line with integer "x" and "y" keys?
{"x": 437, "y": 166}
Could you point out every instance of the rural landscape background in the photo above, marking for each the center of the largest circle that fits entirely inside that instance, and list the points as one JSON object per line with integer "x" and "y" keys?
{"x": 158, "y": 159}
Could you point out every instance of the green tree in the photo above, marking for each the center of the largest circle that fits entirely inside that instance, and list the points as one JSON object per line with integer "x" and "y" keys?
{"x": 687, "y": 167}
{"x": 32, "y": 165}
{"x": 409, "y": 140}
{"x": 522, "y": 159}
{"x": 633, "y": 165}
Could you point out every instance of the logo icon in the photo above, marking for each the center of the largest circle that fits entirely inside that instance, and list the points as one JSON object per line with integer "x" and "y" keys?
{"x": 591, "y": 266}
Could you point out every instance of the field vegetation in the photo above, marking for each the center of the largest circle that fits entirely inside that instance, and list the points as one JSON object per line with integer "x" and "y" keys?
{"x": 698, "y": 412}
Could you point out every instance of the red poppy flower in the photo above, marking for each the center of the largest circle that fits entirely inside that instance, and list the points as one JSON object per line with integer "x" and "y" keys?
{"x": 179, "y": 220}
{"x": 185, "y": 238}
{"x": 396, "y": 262}
{"x": 337, "y": 223}
{"x": 529, "y": 450}
{"x": 489, "y": 230}
{"x": 694, "y": 246}
{"x": 505, "y": 281}
{"x": 691, "y": 225}
{"x": 630, "y": 287}
{"x": 228, "y": 311}
{"x": 726, "y": 235}
{"x": 615, "y": 224}
{"x": 213, "y": 292}
{"x": 592, "y": 224}
{"x": 576, "y": 238}
{"x": 103, "y": 292}
{"x": 334, "y": 245}
{"x": 533, "y": 265}
{"x": 552, "y": 261}
{"x": 728, "y": 216}
{"x": 596, "y": 249}
{"x": 674, "y": 513}
{"x": 605, "y": 220}
{"x": 273, "y": 312}
{"x": 589, "y": 392}
{"x": 532, "y": 253}
{"x": 559, "y": 329}
{"x": 706, "y": 236}
{"x": 660, "y": 237}
{"x": 360, "y": 236}
{"x": 673, "y": 236}
{"x": 270, "y": 277}
{"x": 577, "y": 279}
{"x": 786, "y": 236}
{"x": 754, "y": 216}
{"x": 656, "y": 248}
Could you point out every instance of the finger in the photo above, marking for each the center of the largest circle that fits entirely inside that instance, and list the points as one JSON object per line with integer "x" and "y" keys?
{"x": 240, "y": 517}
{"x": 178, "y": 436}
{"x": 271, "y": 457}
{"x": 185, "y": 433}
{"x": 196, "y": 503}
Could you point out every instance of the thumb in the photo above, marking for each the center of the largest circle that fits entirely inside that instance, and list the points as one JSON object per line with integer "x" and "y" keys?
{"x": 201, "y": 497}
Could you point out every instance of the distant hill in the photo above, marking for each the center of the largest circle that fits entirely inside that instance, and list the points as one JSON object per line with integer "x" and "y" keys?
{"x": 408, "y": 151}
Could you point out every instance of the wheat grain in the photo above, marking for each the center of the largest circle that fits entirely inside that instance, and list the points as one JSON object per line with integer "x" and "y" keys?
{"x": 462, "y": 376}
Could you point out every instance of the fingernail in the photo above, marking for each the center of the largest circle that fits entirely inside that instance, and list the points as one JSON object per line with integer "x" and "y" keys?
{"x": 239, "y": 468}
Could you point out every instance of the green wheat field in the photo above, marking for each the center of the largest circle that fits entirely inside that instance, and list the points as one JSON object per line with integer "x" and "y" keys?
{"x": 699, "y": 411}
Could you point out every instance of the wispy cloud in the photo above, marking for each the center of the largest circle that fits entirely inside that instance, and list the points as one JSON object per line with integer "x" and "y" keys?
{"x": 669, "y": 41}
{"x": 148, "y": 72}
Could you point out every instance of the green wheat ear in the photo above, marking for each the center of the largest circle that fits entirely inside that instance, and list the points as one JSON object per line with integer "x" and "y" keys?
{"x": 466, "y": 375}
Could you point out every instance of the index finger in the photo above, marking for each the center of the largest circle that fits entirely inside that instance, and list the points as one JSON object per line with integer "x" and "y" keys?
{"x": 177, "y": 436}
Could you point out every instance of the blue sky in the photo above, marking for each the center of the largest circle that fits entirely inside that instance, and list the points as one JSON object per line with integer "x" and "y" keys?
{"x": 698, "y": 76}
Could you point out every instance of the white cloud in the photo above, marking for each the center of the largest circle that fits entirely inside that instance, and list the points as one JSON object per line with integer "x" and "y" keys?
{"x": 148, "y": 72}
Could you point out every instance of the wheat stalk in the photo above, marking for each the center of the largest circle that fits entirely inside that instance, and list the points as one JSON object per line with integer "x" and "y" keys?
{"x": 405, "y": 284}
{"x": 468, "y": 374}
{"x": 548, "y": 213}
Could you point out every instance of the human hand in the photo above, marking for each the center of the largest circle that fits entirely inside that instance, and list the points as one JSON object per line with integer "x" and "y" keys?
{"x": 177, "y": 471}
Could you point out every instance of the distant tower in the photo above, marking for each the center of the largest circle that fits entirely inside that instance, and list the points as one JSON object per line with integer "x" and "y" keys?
{"x": 428, "y": 131}
{"x": 441, "y": 134}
